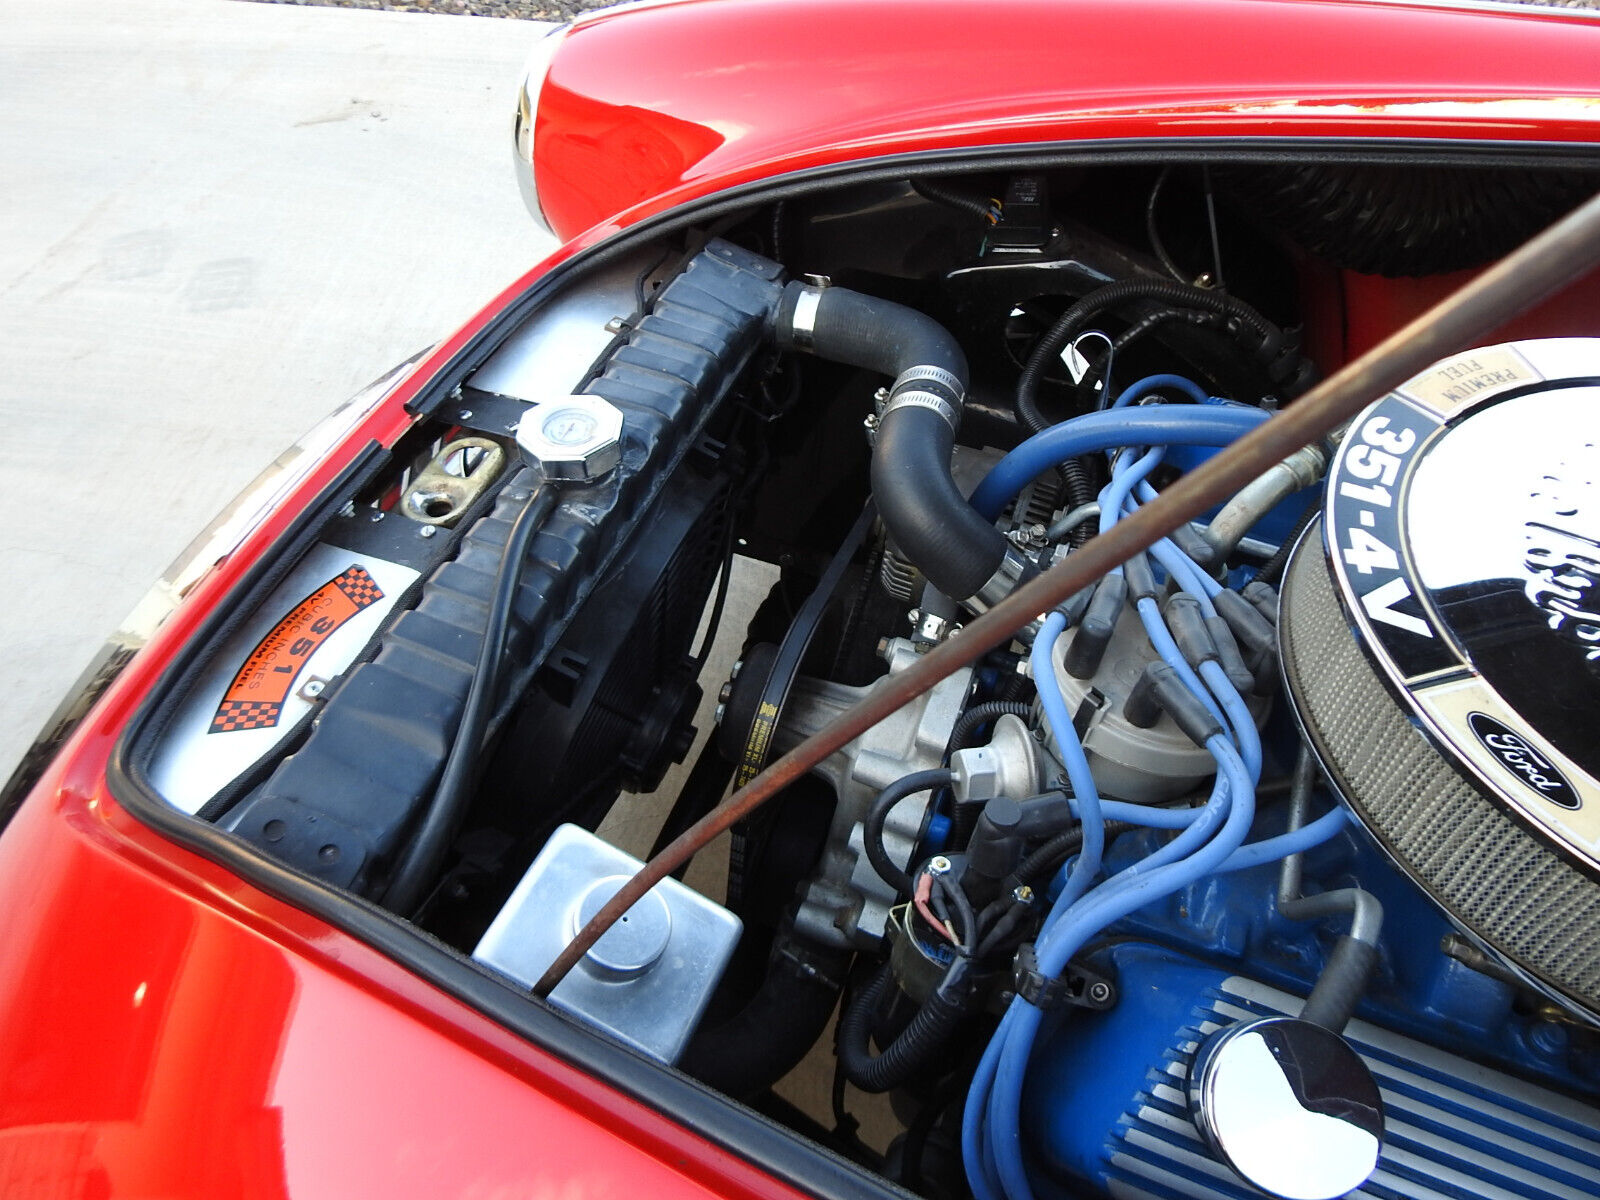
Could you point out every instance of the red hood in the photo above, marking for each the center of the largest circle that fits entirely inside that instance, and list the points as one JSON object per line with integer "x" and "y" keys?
{"x": 648, "y": 107}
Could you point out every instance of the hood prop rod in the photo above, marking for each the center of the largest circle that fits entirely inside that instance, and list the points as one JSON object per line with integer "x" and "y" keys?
{"x": 1558, "y": 255}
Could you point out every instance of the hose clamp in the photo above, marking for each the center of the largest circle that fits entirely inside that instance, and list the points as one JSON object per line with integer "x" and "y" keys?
{"x": 1001, "y": 584}
{"x": 927, "y": 373}
{"x": 916, "y": 398}
{"x": 803, "y": 325}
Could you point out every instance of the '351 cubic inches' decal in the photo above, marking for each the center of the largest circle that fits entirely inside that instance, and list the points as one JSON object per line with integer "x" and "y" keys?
{"x": 254, "y": 700}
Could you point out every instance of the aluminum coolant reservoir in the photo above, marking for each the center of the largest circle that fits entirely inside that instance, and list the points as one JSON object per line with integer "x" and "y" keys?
{"x": 648, "y": 980}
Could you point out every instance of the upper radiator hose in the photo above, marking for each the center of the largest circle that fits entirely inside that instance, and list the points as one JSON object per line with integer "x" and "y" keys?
{"x": 961, "y": 554}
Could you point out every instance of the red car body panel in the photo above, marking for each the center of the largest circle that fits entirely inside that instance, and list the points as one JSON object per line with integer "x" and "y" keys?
{"x": 645, "y": 109}
{"x": 174, "y": 1031}
{"x": 188, "y": 1037}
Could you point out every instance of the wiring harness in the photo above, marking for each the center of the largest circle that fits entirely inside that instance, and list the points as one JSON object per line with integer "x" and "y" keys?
{"x": 1195, "y": 683}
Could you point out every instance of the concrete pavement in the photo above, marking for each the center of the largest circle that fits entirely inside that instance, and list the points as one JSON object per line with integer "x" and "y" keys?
{"x": 218, "y": 220}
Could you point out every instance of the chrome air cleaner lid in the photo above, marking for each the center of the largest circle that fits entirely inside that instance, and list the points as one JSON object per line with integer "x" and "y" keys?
{"x": 1463, "y": 524}
{"x": 1441, "y": 645}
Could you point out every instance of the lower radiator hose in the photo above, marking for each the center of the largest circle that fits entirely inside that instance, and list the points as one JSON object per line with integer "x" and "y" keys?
{"x": 768, "y": 1037}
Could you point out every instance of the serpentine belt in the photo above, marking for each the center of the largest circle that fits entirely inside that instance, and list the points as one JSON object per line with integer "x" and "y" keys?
{"x": 792, "y": 651}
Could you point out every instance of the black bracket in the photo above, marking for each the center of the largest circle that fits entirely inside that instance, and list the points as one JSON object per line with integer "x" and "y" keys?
{"x": 1077, "y": 987}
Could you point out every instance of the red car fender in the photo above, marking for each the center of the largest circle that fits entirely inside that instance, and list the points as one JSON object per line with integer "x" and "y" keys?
{"x": 175, "y": 1033}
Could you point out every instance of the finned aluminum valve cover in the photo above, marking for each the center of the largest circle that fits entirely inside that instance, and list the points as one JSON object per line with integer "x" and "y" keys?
{"x": 1461, "y": 539}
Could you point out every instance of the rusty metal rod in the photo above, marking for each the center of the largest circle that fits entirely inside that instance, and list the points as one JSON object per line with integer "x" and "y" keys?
{"x": 1527, "y": 275}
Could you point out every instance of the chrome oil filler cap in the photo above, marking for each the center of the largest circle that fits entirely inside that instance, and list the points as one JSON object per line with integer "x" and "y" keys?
{"x": 1290, "y": 1106}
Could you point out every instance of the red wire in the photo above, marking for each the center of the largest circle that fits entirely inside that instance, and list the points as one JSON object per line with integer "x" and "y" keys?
{"x": 923, "y": 892}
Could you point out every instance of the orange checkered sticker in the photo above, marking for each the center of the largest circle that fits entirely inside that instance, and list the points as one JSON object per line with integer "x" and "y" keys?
{"x": 254, "y": 700}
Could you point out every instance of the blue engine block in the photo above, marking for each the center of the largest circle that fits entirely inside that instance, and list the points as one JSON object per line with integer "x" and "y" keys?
{"x": 1488, "y": 1095}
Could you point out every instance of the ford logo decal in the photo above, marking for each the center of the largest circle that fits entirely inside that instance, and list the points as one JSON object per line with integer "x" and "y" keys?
{"x": 1522, "y": 760}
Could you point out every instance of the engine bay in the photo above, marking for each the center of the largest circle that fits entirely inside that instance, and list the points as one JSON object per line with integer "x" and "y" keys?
{"x": 1275, "y": 837}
